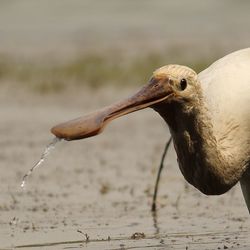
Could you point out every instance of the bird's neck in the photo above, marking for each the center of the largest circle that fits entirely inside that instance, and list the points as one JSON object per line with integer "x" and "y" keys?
{"x": 201, "y": 161}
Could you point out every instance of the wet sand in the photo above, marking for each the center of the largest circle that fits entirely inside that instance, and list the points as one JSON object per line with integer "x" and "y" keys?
{"x": 96, "y": 193}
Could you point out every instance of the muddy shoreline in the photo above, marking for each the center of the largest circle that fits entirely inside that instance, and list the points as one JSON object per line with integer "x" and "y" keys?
{"x": 96, "y": 193}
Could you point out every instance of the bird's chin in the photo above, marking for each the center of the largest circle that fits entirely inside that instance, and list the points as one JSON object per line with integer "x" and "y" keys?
{"x": 93, "y": 123}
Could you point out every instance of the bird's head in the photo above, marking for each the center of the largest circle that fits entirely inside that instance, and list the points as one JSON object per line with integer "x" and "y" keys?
{"x": 180, "y": 80}
{"x": 171, "y": 83}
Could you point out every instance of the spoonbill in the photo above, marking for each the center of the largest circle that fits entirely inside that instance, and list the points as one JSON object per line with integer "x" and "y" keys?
{"x": 208, "y": 115}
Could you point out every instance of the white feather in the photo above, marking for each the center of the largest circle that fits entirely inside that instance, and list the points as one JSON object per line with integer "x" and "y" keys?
{"x": 226, "y": 91}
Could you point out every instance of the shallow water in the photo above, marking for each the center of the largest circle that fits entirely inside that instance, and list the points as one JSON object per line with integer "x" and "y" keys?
{"x": 103, "y": 186}
{"x": 118, "y": 233}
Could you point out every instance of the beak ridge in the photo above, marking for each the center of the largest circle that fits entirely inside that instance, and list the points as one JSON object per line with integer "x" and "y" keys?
{"x": 94, "y": 123}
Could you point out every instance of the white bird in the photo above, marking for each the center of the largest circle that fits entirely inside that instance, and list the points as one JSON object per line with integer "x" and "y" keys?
{"x": 208, "y": 115}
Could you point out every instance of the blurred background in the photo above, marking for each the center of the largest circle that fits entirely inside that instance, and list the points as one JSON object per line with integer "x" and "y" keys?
{"x": 60, "y": 59}
{"x": 50, "y": 45}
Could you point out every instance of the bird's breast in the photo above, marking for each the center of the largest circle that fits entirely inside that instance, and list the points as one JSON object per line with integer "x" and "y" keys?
{"x": 196, "y": 168}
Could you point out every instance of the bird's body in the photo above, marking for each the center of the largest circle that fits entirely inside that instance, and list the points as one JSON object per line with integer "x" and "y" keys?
{"x": 230, "y": 110}
{"x": 208, "y": 115}
{"x": 226, "y": 90}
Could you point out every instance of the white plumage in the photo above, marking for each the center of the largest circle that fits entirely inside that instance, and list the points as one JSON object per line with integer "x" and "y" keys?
{"x": 226, "y": 89}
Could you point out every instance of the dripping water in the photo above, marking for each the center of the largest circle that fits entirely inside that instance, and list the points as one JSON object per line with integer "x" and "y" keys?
{"x": 45, "y": 154}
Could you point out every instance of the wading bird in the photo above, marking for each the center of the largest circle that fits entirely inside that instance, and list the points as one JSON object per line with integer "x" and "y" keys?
{"x": 208, "y": 115}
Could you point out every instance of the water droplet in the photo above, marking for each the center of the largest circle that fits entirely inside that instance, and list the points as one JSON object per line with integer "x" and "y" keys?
{"x": 45, "y": 154}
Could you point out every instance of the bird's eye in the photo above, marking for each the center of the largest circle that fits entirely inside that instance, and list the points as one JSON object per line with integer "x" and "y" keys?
{"x": 183, "y": 84}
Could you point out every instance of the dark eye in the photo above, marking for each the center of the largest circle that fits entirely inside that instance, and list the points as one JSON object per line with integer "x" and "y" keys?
{"x": 183, "y": 84}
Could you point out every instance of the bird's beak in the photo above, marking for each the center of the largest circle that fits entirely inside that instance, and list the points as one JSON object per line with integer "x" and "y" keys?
{"x": 92, "y": 124}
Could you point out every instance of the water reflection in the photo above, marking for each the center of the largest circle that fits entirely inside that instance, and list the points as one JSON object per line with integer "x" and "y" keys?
{"x": 155, "y": 222}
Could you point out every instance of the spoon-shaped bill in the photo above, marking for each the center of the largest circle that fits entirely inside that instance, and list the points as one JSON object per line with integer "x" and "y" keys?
{"x": 93, "y": 123}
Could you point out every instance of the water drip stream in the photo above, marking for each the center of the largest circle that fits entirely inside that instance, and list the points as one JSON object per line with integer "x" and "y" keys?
{"x": 45, "y": 154}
